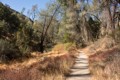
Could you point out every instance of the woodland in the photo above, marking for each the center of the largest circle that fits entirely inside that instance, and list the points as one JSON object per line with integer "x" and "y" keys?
{"x": 76, "y": 21}
{"x": 93, "y": 24}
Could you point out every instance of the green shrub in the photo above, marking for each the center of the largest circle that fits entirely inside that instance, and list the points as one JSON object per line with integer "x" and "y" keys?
{"x": 8, "y": 51}
{"x": 64, "y": 46}
{"x": 69, "y": 45}
{"x": 23, "y": 40}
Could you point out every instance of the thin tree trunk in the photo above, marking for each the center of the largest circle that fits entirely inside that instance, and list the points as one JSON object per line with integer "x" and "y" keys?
{"x": 44, "y": 33}
{"x": 108, "y": 18}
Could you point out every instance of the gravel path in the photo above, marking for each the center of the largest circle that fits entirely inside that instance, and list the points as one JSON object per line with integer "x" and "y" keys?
{"x": 80, "y": 70}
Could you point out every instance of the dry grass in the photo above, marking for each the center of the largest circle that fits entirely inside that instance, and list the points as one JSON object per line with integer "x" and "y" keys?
{"x": 51, "y": 68}
{"x": 105, "y": 65}
{"x": 55, "y": 68}
{"x": 102, "y": 44}
{"x": 53, "y": 65}
{"x": 63, "y": 47}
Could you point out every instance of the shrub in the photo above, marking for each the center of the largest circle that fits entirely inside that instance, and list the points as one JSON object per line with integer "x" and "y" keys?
{"x": 7, "y": 51}
{"x": 23, "y": 40}
{"x": 57, "y": 65}
{"x": 63, "y": 47}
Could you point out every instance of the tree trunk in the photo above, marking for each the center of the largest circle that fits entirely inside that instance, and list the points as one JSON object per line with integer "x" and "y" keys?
{"x": 110, "y": 24}
{"x": 108, "y": 18}
{"x": 41, "y": 47}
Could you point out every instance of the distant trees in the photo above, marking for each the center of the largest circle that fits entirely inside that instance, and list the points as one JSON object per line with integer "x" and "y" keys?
{"x": 33, "y": 12}
{"x": 89, "y": 20}
{"x": 69, "y": 20}
{"x": 76, "y": 21}
{"x": 109, "y": 12}
{"x": 79, "y": 21}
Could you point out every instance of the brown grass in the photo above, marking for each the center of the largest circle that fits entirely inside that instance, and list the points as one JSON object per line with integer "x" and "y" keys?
{"x": 101, "y": 44}
{"x": 105, "y": 65}
{"x": 53, "y": 65}
{"x": 51, "y": 68}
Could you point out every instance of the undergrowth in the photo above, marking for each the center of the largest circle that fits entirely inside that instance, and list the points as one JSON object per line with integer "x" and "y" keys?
{"x": 105, "y": 65}
{"x": 49, "y": 68}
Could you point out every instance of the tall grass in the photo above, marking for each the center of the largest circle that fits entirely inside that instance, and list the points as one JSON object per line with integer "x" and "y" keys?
{"x": 105, "y": 65}
{"x": 57, "y": 67}
{"x": 50, "y": 68}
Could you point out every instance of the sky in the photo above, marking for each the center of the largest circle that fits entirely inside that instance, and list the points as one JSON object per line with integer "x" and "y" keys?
{"x": 18, "y": 5}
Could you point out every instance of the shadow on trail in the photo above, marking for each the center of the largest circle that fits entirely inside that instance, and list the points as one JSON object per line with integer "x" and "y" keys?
{"x": 78, "y": 75}
{"x": 80, "y": 67}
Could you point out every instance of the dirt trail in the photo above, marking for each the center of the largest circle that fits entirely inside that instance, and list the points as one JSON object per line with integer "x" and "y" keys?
{"x": 80, "y": 70}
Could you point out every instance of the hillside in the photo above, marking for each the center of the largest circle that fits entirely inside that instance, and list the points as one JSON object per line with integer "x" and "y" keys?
{"x": 14, "y": 26}
{"x": 11, "y": 21}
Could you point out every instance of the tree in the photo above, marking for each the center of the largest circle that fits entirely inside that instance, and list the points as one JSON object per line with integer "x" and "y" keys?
{"x": 70, "y": 18}
{"x": 76, "y": 20}
{"x": 46, "y": 20}
{"x": 109, "y": 11}
{"x": 22, "y": 11}
{"x": 33, "y": 13}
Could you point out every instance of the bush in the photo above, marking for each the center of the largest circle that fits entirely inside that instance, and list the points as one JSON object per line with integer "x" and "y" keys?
{"x": 63, "y": 47}
{"x": 8, "y": 51}
{"x": 24, "y": 40}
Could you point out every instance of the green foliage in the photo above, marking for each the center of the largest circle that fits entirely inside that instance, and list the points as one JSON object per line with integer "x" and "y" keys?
{"x": 65, "y": 21}
{"x": 3, "y": 27}
{"x": 4, "y": 12}
{"x": 16, "y": 30}
{"x": 95, "y": 27}
{"x": 23, "y": 39}
{"x": 64, "y": 46}
{"x": 2, "y": 24}
{"x": 8, "y": 51}
{"x": 66, "y": 38}
{"x": 10, "y": 17}
{"x": 69, "y": 45}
